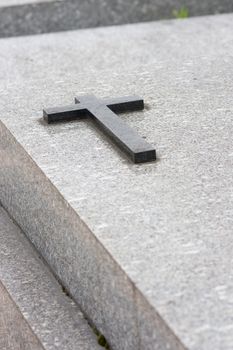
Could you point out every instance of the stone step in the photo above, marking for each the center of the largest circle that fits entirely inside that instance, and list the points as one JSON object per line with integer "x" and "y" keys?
{"x": 35, "y": 312}
{"x": 24, "y": 17}
{"x": 15, "y": 332}
{"x": 144, "y": 249}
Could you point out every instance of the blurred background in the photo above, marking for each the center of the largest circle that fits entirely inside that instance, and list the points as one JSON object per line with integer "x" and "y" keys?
{"x": 25, "y": 17}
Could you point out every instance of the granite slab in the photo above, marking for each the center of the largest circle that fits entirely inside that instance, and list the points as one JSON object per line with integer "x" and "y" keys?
{"x": 27, "y": 17}
{"x": 146, "y": 250}
{"x": 35, "y": 313}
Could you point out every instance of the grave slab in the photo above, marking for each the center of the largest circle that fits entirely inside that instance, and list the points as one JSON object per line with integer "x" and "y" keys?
{"x": 36, "y": 313}
{"x": 146, "y": 250}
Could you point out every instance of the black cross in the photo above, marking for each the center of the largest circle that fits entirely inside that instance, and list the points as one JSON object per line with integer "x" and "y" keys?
{"x": 102, "y": 111}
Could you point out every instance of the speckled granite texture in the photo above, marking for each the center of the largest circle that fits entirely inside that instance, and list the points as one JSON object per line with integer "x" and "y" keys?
{"x": 34, "y": 16}
{"x": 54, "y": 318}
{"x": 145, "y": 249}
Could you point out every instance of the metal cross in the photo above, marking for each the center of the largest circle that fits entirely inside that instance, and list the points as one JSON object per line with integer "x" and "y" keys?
{"x": 103, "y": 112}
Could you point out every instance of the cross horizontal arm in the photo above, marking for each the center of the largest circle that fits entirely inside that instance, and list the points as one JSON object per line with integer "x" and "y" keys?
{"x": 117, "y": 105}
{"x": 125, "y": 104}
{"x": 66, "y": 113}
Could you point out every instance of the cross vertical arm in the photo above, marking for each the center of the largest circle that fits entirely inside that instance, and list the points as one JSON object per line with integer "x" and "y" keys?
{"x": 125, "y": 137}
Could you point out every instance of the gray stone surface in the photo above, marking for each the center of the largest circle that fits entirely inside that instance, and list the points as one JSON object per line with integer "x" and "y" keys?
{"x": 54, "y": 318}
{"x": 35, "y": 16}
{"x": 146, "y": 250}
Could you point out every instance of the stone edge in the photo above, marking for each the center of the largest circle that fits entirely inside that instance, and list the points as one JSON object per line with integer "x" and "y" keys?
{"x": 93, "y": 278}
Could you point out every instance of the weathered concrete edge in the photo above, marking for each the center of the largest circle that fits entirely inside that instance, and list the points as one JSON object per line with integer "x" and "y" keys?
{"x": 93, "y": 278}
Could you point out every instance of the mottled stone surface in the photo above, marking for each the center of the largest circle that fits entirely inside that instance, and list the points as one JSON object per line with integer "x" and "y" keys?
{"x": 53, "y": 317}
{"x": 35, "y": 16}
{"x": 146, "y": 250}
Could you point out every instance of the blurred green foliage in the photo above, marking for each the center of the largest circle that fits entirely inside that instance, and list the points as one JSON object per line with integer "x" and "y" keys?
{"x": 183, "y": 12}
